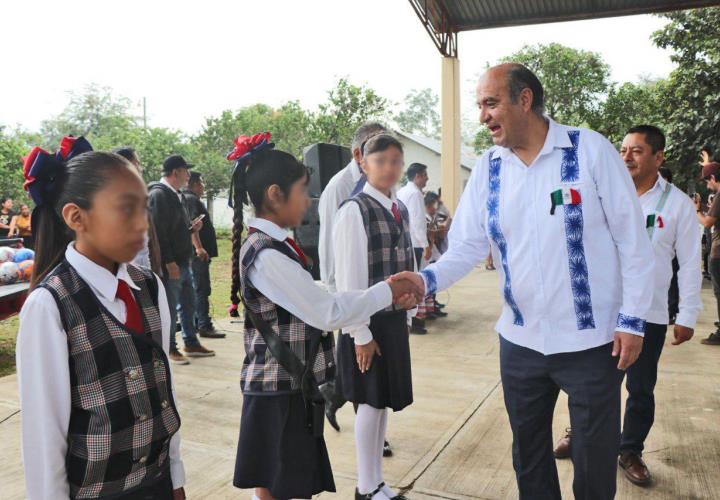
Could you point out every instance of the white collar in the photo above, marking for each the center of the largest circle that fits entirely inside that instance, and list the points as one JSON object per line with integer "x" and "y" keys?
{"x": 99, "y": 278}
{"x": 556, "y": 137}
{"x": 380, "y": 197}
{"x": 355, "y": 170}
{"x": 660, "y": 185}
{"x": 269, "y": 228}
{"x": 164, "y": 181}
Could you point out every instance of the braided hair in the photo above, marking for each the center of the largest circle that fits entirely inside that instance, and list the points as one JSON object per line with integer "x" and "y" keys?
{"x": 254, "y": 174}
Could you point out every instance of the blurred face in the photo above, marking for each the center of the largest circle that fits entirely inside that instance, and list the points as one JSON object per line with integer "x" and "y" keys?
{"x": 422, "y": 179}
{"x": 179, "y": 178}
{"x": 506, "y": 121}
{"x": 198, "y": 188}
{"x": 289, "y": 209}
{"x": 639, "y": 159}
{"x": 24, "y": 210}
{"x": 384, "y": 168}
{"x": 431, "y": 208}
{"x": 113, "y": 229}
{"x": 712, "y": 184}
{"x": 7, "y": 204}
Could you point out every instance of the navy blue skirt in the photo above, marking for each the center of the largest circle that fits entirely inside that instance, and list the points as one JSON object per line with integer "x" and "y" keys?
{"x": 388, "y": 383}
{"x": 275, "y": 450}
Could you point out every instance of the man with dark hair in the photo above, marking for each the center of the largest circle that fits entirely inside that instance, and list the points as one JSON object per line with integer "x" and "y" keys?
{"x": 412, "y": 196}
{"x": 711, "y": 219}
{"x": 560, "y": 210}
{"x": 174, "y": 231}
{"x": 673, "y": 231}
{"x": 205, "y": 243}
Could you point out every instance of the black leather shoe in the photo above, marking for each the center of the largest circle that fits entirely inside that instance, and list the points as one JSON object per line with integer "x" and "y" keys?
{"x": 210, "y": 333}
{"x": 330, "y": 413}
{"x": 387, "y": 451}
{"x": 439, "y": 314}
{"x": 438, "y": 305}
{"x": 418, "y": 327}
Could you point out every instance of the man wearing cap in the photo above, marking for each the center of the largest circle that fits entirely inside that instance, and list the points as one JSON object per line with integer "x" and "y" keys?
{"x": 174, "y": 232}
{"x": 711, "y": 219}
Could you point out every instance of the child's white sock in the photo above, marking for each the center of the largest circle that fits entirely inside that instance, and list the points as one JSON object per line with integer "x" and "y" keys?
{"x": 382, "y": 431}
{"x": 367, "y": 426}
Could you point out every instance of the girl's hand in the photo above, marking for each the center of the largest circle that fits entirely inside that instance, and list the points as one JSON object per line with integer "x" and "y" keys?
{"x": 364, "y": 355}
{"x": 179, "y": 494}
{"x": 407, "y": 301}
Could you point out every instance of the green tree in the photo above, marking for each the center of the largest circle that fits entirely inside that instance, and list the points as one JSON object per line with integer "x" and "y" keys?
{"x": 12, "y": 150}
{"x": 693, "y": 92}
{"x": 348, "y": 106}
{"x": 574, "y": 80}
{"x": 420, "y": 113}
{"x": 628, "y": 105}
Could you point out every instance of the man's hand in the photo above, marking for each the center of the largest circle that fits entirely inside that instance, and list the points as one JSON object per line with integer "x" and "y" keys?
{"x": 628, "y": 347}
{"x": 697, "y": 200}
{"x": 415, "y": 279}
{"x": 173, "y": 271}
{"x": 364, "y": 355}
{"x": 196, "y": 224}
{"x": 179, "y": 494}
{"x": 427, "y": 253}
{"x": 682, "y": 334}
{"x": 404, "y": 292}
{"x": 704, "y": 158}
{"x": 202, "y": 254}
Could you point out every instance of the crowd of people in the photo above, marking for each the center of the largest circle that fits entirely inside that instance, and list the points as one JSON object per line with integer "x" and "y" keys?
{"x": 15, "y": 225}
{"x": 586, "y": 240}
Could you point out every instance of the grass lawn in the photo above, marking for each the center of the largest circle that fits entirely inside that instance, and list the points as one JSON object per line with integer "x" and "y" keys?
{"x": 220, "y": 273}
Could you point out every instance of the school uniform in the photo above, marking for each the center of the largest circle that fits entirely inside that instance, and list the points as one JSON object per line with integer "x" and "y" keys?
{"x": 673, "y": 230}
{"x": 100, "y": 416}
{"x": 372, "y": 244}
{"x": 275, "y": 449}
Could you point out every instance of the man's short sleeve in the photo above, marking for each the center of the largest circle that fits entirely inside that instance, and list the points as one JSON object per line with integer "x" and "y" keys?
{"x": 715, "y": 207}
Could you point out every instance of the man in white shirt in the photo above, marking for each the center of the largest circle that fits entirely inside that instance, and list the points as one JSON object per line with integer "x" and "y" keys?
{"x": 411, "y": 195}
{"x": 673, "y": 231}
{"x": 349, "y": 181}
{"x": 559, "y": 210}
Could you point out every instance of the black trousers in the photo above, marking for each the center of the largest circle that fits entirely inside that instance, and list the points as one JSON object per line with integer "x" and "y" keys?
{"x": 418, "y": 256}
{"x": 714, "y": 267}
{"x": 531, "y": 384}
{"x": 640, "y": 383}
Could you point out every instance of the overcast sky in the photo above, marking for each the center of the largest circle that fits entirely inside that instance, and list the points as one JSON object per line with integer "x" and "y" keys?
{"x": 193, "y": 59}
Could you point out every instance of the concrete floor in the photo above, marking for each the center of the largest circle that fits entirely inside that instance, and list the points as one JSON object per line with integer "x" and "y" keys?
{"x": 454, "y": 441}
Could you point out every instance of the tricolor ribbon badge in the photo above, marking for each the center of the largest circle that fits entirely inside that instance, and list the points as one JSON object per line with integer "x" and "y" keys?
{"x": 654, "y": 220}
{"x": 564, "y": 196}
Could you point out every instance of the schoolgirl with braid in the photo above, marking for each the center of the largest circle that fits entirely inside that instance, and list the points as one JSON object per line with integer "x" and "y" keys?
{"x": 281, "y": 452}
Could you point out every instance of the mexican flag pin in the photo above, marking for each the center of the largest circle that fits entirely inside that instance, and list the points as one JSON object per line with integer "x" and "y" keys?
{"x": 654, "y": 220}
{"x": 564, "y": 196}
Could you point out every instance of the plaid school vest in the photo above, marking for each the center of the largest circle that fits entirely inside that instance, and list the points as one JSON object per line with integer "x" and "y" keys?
{"x": 389, "y": 245}
{"x": 261, "y": 372}
{"x": 123, "y": 413}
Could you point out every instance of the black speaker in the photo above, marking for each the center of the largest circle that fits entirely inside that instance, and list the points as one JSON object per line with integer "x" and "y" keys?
{"x": 325, "y": 160}
{"x": 307, "y": 235}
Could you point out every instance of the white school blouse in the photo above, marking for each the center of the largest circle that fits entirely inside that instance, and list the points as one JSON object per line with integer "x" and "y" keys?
{"x": 284, "y": 282}
{"x": 571, "y": 278}
{"x": 675, "y": 232}
{"x": 335, "y": 193}
{"x": 350, "y": 246}
{"x": 44, "y": 378}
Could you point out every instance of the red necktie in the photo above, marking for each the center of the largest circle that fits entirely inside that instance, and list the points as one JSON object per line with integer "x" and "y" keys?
{"x": 297, "y": 249}
{"x": 133, "y": 320}
{"x": 396, "y": 213}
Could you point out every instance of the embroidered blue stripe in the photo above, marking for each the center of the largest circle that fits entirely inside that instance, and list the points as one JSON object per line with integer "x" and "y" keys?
{"x": 493, "y": 206}
{"x": 430, "y": 280}
{"x": 631, "y": 323}
{"x": 579, "y": 280}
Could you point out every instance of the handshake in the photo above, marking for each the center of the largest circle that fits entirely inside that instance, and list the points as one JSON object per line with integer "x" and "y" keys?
{"x": 407, "y": 289}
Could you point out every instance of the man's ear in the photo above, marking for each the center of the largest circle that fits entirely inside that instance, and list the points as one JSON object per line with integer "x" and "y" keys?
{"x": 659, "y": 158}
{"x": 74, "y": 217}
{"x": 357, "y": 155}
{"x": 526, "y": 99}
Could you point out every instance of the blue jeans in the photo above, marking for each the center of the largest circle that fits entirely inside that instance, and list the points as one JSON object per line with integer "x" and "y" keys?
{"x": 201, "y": 278}
{"x": 181, "y": 298}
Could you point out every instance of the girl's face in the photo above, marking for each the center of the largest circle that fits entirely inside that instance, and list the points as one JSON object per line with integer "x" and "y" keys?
{"x": 113, "y": 229}
{"x": 7, "y": 205}
{"x": 383, "y": 168}
{"x": 289, "y": 210}
{"x": 432, "y": 208}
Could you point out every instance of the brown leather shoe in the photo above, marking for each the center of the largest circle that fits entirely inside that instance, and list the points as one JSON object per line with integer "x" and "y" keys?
{"x": 562, "y": 448}
{"x": 635, "y": 469}
{"x": 197, "y": 351}
{"x": 177, "y": 359}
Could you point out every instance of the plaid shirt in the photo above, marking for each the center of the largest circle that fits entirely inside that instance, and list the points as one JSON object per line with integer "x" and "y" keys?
{"x": 261, "y": 373}
{"x": 123, "y": 413}
{"x": 389, "y": 245}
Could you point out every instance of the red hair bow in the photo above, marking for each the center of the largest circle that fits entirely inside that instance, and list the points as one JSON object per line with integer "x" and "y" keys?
{"x": 245, "y": 146}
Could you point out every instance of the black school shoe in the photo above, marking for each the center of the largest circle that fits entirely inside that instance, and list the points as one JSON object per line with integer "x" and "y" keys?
{"x": 368, "y": 496}
{"x": 418, "y": 327}
{"x": 387, "y": 450}
{"x": 209, "y": 332}
{"x": 713, "y": 339}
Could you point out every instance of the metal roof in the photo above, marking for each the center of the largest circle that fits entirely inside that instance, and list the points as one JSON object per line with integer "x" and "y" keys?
{"x": 443, "y": 19}
{"x": 468, "y": 158}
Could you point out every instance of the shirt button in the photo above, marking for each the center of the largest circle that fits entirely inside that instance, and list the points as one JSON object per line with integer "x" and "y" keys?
{"x": 164, "y": 404}
{"x": 133, "y": 374}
